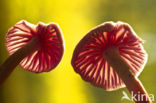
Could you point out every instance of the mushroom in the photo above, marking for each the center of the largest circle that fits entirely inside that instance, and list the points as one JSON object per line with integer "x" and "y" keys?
{"x": 37, "y": 48}
{"x": 111, "y": 56}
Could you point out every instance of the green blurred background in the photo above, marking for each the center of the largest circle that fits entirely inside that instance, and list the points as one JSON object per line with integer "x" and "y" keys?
{"x": 76, "y": 18}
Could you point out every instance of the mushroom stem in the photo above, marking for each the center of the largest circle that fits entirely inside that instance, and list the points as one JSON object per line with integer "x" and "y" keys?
{"x": 132, "y": 83}
{"x": 12, "y": 61}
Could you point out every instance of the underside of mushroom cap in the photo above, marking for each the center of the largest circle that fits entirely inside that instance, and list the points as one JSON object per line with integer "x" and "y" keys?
{"x": 88, "y": 59}
{"x": 51, "y": 45}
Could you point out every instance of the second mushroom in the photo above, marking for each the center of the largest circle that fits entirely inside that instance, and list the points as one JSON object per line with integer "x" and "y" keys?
{"x": 111, "y": 56}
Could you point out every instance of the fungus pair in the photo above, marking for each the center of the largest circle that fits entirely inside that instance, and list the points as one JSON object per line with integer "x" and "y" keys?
{"x": 110, "y": 56}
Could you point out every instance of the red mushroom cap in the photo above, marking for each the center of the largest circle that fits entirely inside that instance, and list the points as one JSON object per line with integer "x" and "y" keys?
{"x": 50, "y": 44}
{"x": 88, "y": 59}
